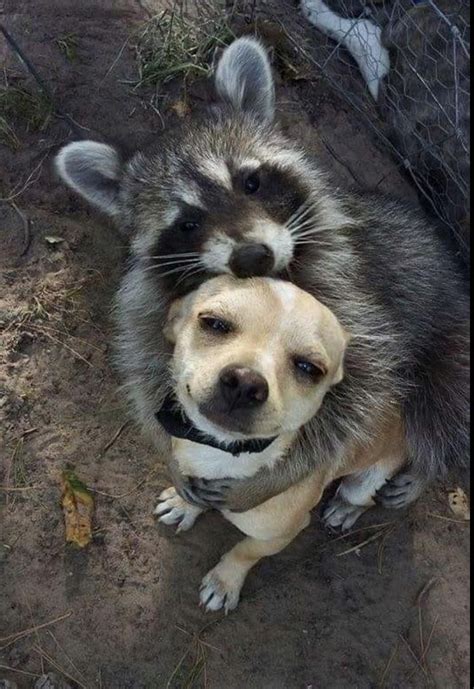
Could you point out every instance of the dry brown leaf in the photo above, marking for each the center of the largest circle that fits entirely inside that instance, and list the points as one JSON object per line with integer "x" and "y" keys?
{"x": 459, "y": 504}
{"x": 78, "y": 506}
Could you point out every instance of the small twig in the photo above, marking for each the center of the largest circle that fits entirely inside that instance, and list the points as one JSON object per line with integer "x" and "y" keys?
{"x": 29, "y": 431}
{"x": 74, "y": 667}
{"x": 389, "y": 665}
{"x": 383, "y": 532}
{"x": 21, "y": 672}
{"x": 429, "y": 585}
{"x": 15, "y": 194}
{"x": 413, "y": 654}
{"x": 13, "y": 638}
{"x": 18, "y": 489}
{"x": 115, "y": 437}
{"x": 42, "y": 653}
{"x": 430, "y": 637}
{"x": 448, "y": 519}
{"x": 420, "y": 631}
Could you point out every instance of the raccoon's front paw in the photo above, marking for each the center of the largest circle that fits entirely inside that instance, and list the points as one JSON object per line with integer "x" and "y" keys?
{"x": 172, "y": 509}
{"x": 340, "y": 513}
{"x": 400, "y": 491}
{"x": 220, "y": 588}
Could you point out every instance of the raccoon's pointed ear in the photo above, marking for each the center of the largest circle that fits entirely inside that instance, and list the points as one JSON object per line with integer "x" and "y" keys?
{"x": 93, "y": 170}
{"x": 244, "y": 78}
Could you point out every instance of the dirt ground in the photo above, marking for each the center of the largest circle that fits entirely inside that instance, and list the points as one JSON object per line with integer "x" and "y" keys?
{"x": 123, "y": 613}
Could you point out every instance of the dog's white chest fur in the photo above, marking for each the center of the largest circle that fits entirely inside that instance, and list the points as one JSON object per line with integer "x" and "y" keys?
{"x": 209, "y": 462}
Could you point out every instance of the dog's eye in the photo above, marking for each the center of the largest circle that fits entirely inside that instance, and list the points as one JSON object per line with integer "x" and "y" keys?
{"x": 216, "y": 325}
{"x": 309, "y": 370}
{"x": 189, "y": 226}
{"x": 252, "y": 183}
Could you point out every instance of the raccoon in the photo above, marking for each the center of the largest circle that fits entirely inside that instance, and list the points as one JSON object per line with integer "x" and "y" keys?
{"x": 228, "y": 193}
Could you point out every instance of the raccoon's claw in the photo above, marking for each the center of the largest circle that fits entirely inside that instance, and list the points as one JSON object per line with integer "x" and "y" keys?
{"x": 217, "y": 592}
{"x": 206, "y": 493}
{"x": 340, "y": 513}
{"x": 172, "y": 509}
{"x": 400, "y": 491}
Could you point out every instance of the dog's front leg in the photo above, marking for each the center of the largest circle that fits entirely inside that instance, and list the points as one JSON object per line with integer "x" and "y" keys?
{"x": 221, "y": 587}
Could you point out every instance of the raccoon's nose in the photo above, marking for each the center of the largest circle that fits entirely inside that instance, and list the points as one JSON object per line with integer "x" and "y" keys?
{"x": 251, "y": 260}
{"x": 242, "y": 387}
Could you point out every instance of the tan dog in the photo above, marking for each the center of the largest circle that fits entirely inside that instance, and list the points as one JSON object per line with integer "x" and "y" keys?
{"x": 252, "y": 363}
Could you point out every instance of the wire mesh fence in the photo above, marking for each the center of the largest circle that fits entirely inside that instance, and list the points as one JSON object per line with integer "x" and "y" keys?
{"x": 414, "y": 58}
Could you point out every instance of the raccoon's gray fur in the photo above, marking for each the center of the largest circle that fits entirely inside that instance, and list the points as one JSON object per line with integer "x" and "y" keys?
{"x": 425, "y": 101}
{"x": 382, "y": 268}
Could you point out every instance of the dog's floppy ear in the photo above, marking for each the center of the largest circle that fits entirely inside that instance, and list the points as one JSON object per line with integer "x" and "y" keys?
{"x": 244, "y": 78}
{"x": 177, "y": 312}
{"x": 340, "y": 371}
{"x": 92, "y": 170}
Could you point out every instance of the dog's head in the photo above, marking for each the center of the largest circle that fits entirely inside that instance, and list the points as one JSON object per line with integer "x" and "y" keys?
{"x": 253, "y": 358}
{"x": 227, "y": 193}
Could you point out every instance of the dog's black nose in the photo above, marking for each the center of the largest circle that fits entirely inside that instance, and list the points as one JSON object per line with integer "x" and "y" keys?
{"x": 251, "y": 260}
{"x": 243, "y": 388}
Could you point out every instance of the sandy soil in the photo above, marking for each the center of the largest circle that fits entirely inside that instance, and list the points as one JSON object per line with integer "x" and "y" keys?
{"x": 312, "y": 617}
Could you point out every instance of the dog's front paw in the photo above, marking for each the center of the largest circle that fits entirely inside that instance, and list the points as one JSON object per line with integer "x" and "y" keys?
{"x": 340, "y": 513}
{"x": 220, "y": 589}
{"x": 172, "y": 509}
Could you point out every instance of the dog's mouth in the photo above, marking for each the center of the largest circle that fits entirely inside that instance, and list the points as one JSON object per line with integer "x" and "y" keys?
{"x": 226, "y": 420}
{"x": 175, "y": 421}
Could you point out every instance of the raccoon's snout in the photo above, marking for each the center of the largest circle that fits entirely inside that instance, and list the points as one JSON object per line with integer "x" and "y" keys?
{"x": 252, "y": 260}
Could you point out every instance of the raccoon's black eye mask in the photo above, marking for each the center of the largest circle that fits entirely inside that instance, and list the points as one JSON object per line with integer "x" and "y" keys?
{"x": 173, "y": 419}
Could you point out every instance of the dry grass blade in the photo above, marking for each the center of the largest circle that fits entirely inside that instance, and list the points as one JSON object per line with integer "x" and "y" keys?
{"x": 13, "y": 638}
{"x": 18, "y": 489}
{"x": 424, "y": 590}
{"x": 21, "y": 672}
{"x": 70, "y": 661}
{"x": 386, "y": 671}
{"x": 173, "y": 44}
{"x": 42, "y": 653}
{"x": 115, "y": 437}
{"x": 370, "y": 539}
{"x": 413, "y": 655}
{"x": 448, "y": 519}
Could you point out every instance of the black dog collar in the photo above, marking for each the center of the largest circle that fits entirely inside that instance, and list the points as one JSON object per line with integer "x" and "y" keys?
{"x": 177, "y": 424}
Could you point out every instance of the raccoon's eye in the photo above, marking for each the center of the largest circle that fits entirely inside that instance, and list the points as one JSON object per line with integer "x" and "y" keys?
{"x": 310, "y": 371}
{"x": 217, "y": 325}
{"x": 189, "y": 226}
{"x": 252, "y": 183}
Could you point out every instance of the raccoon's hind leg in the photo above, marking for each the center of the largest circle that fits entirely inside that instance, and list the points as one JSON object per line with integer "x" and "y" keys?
{"x": 357, "y": 493}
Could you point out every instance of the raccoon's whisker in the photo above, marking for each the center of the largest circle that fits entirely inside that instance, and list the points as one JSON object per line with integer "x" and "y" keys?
{"x": 189, "y": 273}
{"x": 181, "y": 261}
{"x": 302, "y": 210}
{"x": 300, "y": 214}
{"x": 182, "y": 255}
{"x": 312, "y": 231}
{"x": 172, "y": 271}
{"x": 296, "y": 231}
{"x": 178, "y": 265}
